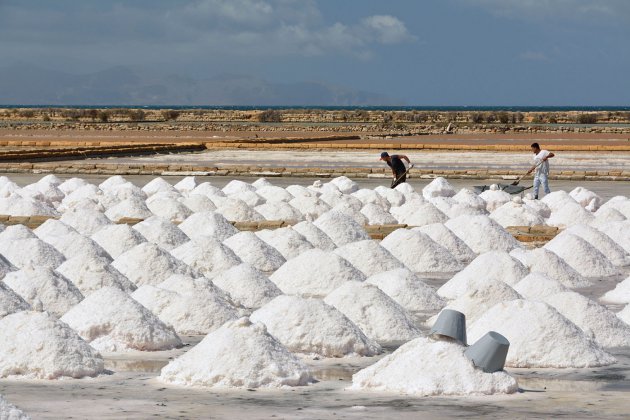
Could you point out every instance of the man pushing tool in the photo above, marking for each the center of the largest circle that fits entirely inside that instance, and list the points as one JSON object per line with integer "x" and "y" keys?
{"x": 541, "y": 166}
{"x": 398, "y": 167}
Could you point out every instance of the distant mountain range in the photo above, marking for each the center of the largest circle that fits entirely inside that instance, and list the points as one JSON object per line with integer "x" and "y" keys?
{"x": 26, "y": 84}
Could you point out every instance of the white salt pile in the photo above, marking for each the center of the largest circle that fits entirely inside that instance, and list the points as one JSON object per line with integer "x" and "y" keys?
{"x": 341, "y": 228}
{"x": 619, "y": 295}
{"x": 369, "y": 257}
{"x": 43, "y": 286}
{"x": 207, "y": 189}
{"x": 48, "y": 194}
{"x": 132, "y": 207}
{"x": 286, "y": 240}
{"x": 618, "y": 232}
{"x": 68, "y": 241}
{"x": 570, "y": 214}
{"x": 30, "y": 252}
{"x": 37, "y": 345}
{"x": 72, "y": 184}
{"x": 273, "y": 193}
{"x": 301, "y": 191}
{"x": 581, "y": 255}
{"x": 335, "y": 198}
{"x": 408, "y": 290}
{"x": 539, "y": 336}
{"x": 619, "y": 203}
{"x": 546, "y": 262}
{"x": 427, "y": 367}
{"x": 11, "y": 302}
{"x": 376, "y": 215}
{"x": 308, "y": 325}
{"x": 5, "y": 266}
{"x": 238, "y": 355}
{"x": 111, "y": 321}
{"x": 445, "y": 237}
{"x": 369, "y": 196}
{"x": 161, "y": 232}
{"x": 112, "y": 181}
{"x": 420, "y": 253}
{"x": 251, "y": 198}
{"x": 187, "y": 184}
{"x": 469, "y": 198}
{"x": 86, "y": 222}
{"x": 604, "y": 243}
{"x": 405, "y": 189}
{"x": 314, "y": 235}
{"x": 190, "y": 306}
{"x": 92, "y": 273}
{"x": 204, "y": 224}
{"x": 351, "y": 212}
{"x": 586, "y": 198}
{"x": 482, "y": 234}
{"x": 149, "y": 264}
{"x": 536, "y": 286}
{"x": 247, "y": 286}
{"x": 236, "y": 210}
{"x": 125, "y": 191}
{"x": 495, "y": 197}
{"x": 418, "y": 213}
{"x": 117, "y": 239}
{"x": 168, "y": 208}
{"x": 209, "y": 257}
{"x": 310, "y": 207}
{"x": 624, "y": 314}
{"x": 439, "y": 187}
{"x": 261, "y": 182}
{"x": 254, "y": 251}
{"x": 595, "y": 320}
{"x": 16, "y": 205}
{"x": 279, "y": 210}
{"x": 484, "y": 271}
{"x": 607, "y": 215}
{"x": 394, "y": 197}
{"x": 198, "y": 203}
{"x": 375, "y": 313}
{"x": 541, "y": 208}
{"x": 15, "y": 232}
{"x": 235, "y": 186}
{"x": 315, "y": 273}
{"x": 10, "y": 412}
{"x": 345, "y": 184}
{"x": 516, "y": 213}
{"x": 157, "y": 185}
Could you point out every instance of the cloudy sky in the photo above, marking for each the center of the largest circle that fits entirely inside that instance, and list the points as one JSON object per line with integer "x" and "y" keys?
{"x": 431, "y": 52}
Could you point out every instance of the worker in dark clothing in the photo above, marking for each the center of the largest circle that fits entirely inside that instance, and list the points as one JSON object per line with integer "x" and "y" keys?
{"x": 398, "y": 167}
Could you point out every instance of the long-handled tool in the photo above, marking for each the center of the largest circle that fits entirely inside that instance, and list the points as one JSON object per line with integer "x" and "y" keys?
{"x": 395, "y": 182}
{"x": 526, "y": 173}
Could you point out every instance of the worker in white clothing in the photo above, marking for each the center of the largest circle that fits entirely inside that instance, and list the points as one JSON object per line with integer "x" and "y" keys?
{"x": 541, "y": 166}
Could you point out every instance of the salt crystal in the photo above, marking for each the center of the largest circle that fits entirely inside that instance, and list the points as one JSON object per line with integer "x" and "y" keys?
{"x": 161, "y": 232}
{"x": 369, "y": 257}
{"x": 446, "y": 238}
{"x": 341, "y": 228}
{"x": 620, "y": 294}
{"x": 209, "y": 257}
{"x": 408, "y": 290}
{"x": 149, "y": 264}
{"x": 482, "y": 234}
{"x": 237, "y": 355}
{"x": 208, "y": 224}
{"x": 426, "y": 367}
{"x": 539, "y": 336}
{"x": 247, "y": 286}
{"x": 254, "y": 251}
{"x": 439, "y": 187}
{"x": 286, "y": 240}
{"x": 92, "y": 273}
{"x": 581, "y": 255}
{"x": 314, "y": 235}
{"x": 37, "y": 345}
{"x": 315, "y": 273}
{"x": 116, "y": 239}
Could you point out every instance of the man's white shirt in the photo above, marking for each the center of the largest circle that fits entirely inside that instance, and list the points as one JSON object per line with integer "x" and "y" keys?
{"x": 543, "y": 169}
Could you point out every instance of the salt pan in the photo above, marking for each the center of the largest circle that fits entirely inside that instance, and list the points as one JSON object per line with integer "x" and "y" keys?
{"x": 149, "y": 264}
{"x": 408, "y": 290}
{"x": 369, "y": 257}
{"x": 209, "y": 257}
{"x": 581, "y": 255}
{"x": 247, "y": 286}
{"x": 419, "y": 252}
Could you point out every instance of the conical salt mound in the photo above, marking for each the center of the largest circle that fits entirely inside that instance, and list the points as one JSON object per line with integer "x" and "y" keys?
{"x": 351, "y": 212}
{"x": 91, "y": 274}
{"x": 187, "y": 184}
{"x": 117, "y": 239}
{"x": 149, "y": 264}
{"x": 11, "y": 302}
{"x": 32, "y": 252}
{"x": 376, "y": 215}
{"x": 190, "y": 306}
{"x": 439, "y": 187}
{"x": 597, "y": 322}
{"x": 157, "y": 185}
{"x": 618, "y": 231}
{"x": 43, "y": 286}
{"x": 162, "y": 233}
{"x": 546, "y": 262}
{"x": 620, "y": 203}
{"x": 477, "y": 300}
{"x": 516, "y": 213}
{"x": 132, "y": 207}
{"x": 315, "y": 236}
{"x": 607, "y": 215}
{"x": 37, "y": 345}
{"x": 469, "y": 198}
{"x": 168, "y": 208}
{"x": 620, "y": 294}
{"x": 311, "y": 207}
{"x": 112, "y": 181}
{"x": 581, "y": 255}
{"x": 482, "y": 234}
{"x": 624, "y": 314}
{"x": 445, "y": 237}
{"x": 539, "y": 336}
{"x": 10, "y": 412}
{"x": 86, "y": 222}
{"x": 254, "y": 251}
{"x": 236, "y": 186}
{"x": 237, "y": 355}
{"x": 345, "y": 184}
{"x": 236, "y": 210}
{"x": 247, "y": 286}
{"x": 487, "y": 269}
{"x": 16, "y": 205}
{"x": 209, "y": 257}
{"x": 536, "y": 286}
{"x": 15, "y": 232}
{"x": 369, "y": 257}
{"x": 394, "y": 197}
{"x": 418, "y": 213}
{"x": 341, "y": 228}
{"x": 68, "y": 241}
{"x": 308, "y": 325}
{"x": 604, "y": 243}
{"x": 495, "y": 197}
{"x": 5, "y": 267}
{"x": 286, "y": 240}
{"x": 72, "y": 184}
{"x": 198, "y": 203}
{"x": 273, "y": 193}
{"x": 570, "y": 214}
{"x": 426, "y": 367}
{"x": 408, "y": 290}
{"x": 279, "y": 210}
{"x": 111, "y": 321}
{"x": 315, "y": 273}
{"x": 378, "y": 315}
{"x": 420, "y": 253}
{"x": 208, "y": 224}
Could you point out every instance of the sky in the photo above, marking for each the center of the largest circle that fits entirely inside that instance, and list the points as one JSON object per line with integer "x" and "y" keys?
{"x": 430, "y": 52}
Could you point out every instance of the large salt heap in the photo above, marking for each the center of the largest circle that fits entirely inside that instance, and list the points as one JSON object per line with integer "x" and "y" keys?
{"x": 439, "y": 187}
{"x": 445, "y": 237}
{"x": 378, "y": 315}
{"x": 418, "y": 213}
{"x": 420, "y": 253}
{"x": 237, "y": 355}
{"x": 581, "y": 255}
{"x": 43, "y": 286}
{"x": 198, "y": 203}
{"x": 187, "y": 184}
{"x": 544, "y": 261}
{"x": 132, "y": 207}
{"x": 37, "y": 345}
{"x": 190, "y": 306}
{"x": 394, "y": 197}
{"x": 11, "y": 302}
{"x": 604, "y": 243}
{"x": 484, "y": 271}
{"x": 86, "y": 222}
{"x": 247, "y": 286}
{"x": 586, "y": 198}
{"x": 315, "y": 273}
{"x": 92, "y": 273}
{"x": 161, "y": 232}
{"x": 426, "y": 367}
{"x": 308, "y": 325}
{"x": 369, "y": 257}
{"x": 408, "y": 290}
{"x": 570, "y": 214}
{"x": 376, "y": 215}
{"x": 279, "y": 210}
{"x": 620, "y": 294}
{"x": 236, "y": 210}
{"x": 110, "y": 320}
{"x": 200, "y": 225}
{"x": 539, "y": 336}
{"x": 272, "y": 193}
{"x": 168, "y": 207}
{"x": 149, "y": 264}
{"x": 254, "y": 251}
{"x": 495, "y": 197}
{"x": 536, "y": 286}
{"x": 23, "y": 249}
{"x": 286, "y": 240}
{"x": 68, "y": 241}
{"x": 624, "y": 314}
{"x": 16, "y": 205}
{"x": 618, "y": 232}
{"x": 315, "y": 236}
{"x": 482, "y": 234}
{"x": 340, "y": 228}
{"x": 209, "y": 257}
{"x": 516, "y": 213}
{"x": 116, "y": 239}
{"x": 157, "y": 185}
{"x": 345, "y": 184}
